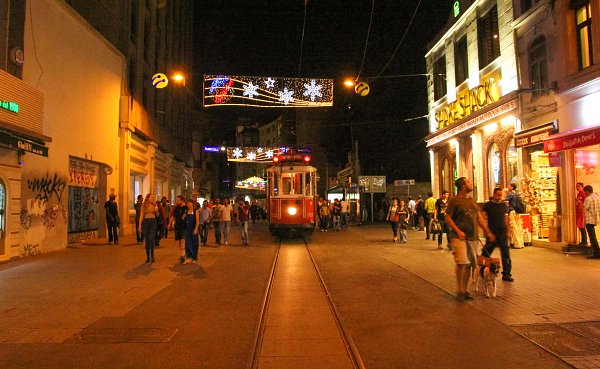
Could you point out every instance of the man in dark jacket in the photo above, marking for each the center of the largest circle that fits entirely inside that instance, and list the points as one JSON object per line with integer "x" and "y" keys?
{"x": 112, "y": 219}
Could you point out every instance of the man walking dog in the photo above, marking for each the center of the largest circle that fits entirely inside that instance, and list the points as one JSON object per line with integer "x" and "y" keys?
{"x": 462, "y": 216}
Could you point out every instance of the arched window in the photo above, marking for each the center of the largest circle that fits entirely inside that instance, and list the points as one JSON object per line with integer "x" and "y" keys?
{"x": 494, "y": 168}
{"x": 512, "y": 167}
{"x": 538, "y": 66}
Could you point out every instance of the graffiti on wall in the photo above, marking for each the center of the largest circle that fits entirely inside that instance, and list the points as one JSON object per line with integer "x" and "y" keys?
{"x": 49, "y": 217}
{"x": 83, "y": 209}
{"x": 30, "y": 250}
{"x": 45, "y": 188}
{"x": 80, "y": 236}
{"x": 25, "y": 220}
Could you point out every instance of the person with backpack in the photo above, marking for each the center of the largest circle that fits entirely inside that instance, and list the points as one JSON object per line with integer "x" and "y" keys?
{"x": 515, "y": 207}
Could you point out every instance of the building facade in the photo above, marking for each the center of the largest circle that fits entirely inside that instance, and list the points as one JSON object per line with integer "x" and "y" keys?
{"x": 559, "y": 88}
{"x": 473, "y": 105}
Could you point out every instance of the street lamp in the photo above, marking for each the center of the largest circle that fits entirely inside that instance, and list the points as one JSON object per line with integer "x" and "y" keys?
{"x": 349, "y": 83}
{"x": 179, "y": 78}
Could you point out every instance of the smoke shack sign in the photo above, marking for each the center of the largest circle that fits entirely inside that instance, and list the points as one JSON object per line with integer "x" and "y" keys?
{"x": 467, "y": 103}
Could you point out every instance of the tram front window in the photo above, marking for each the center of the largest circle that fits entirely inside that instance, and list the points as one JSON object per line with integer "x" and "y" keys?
{"x": 286, "y": 184}
{"x": 298, "y": 183}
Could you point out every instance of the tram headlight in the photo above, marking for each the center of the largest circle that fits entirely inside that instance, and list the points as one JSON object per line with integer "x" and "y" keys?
{"x": 292, "y": 211}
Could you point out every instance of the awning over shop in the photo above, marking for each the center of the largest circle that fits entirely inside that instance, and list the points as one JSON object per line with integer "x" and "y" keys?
{"x": 16, "y": 141}
{"x": 572, "y": 139}
{"x": 535, "y": 135}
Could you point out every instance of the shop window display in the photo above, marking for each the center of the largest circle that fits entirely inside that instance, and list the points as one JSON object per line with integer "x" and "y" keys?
{"x": 541, "y": 187}
{"x": 512, "y": 159}
{"x": 586, "y": 168}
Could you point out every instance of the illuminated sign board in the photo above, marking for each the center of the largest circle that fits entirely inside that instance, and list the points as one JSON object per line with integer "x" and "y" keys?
{"x": 467, "y": 102}
{"x": 20, "y": 143}
{"x": 212, "y": 149}
{"x": 9, "y": 105}
{"x": 266, "y": 92}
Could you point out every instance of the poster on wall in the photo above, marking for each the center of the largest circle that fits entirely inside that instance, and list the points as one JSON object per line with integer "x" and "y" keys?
{"x": 83, "y": 199}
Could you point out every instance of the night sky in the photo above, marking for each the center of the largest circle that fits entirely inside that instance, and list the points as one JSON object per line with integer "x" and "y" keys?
{"x": 261, "y": 38}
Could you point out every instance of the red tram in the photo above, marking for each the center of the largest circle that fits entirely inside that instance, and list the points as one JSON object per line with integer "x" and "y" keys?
{"x": 291, "y": 195}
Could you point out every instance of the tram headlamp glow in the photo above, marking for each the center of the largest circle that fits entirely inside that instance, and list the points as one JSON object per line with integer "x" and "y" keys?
{"x": 292, "y": 211}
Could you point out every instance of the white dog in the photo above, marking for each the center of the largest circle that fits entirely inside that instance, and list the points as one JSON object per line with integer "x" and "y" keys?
{"x": 487, "y": 274}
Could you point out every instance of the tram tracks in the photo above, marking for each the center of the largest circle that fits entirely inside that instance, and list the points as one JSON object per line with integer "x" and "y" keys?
{"x": 350, "y": 349}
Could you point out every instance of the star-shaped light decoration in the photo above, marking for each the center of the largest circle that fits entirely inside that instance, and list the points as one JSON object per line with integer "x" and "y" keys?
{"x": 237, "y": 153}
{"x": 270, "y": 82}
{"x": 250, "y": 90}
{"x": 251, "y": 155}
{"x": 285, "y": 96}
{"x": 259, "y": 150}
{"x": 312, "y": 90}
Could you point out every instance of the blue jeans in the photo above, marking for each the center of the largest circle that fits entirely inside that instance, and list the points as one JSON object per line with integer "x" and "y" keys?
{"x": 204, "y": 228}
{"x": 149, "y": 231}
{"x": 244, "y": 231}
{"x": 226, "y": 227}
{"x": 217, "y": 227}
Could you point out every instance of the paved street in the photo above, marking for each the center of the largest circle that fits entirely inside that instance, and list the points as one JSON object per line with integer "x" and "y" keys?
{"x": 99, "y": 306}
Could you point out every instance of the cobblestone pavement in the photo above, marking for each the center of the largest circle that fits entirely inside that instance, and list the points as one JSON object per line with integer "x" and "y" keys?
{"x": 100, "y": 306}
{"x": 552, "y": 295}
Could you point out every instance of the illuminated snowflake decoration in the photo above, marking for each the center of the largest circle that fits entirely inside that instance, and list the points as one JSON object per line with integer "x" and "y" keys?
{"x": 269, "y": 154}
{"x": 250, "y": 90}
{"x": 237, "y": 153}
{"x": 286, "y": 96}
{"x": 270, "y": 82}
{"x": 313, "y": 90}
{"x": 251, "y": 156}
{"x": 259, "y": 150}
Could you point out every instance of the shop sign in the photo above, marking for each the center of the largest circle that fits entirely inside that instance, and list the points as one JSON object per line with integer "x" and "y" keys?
{"x": 572, "y": 140}
{"x": 467, "y": 103}
{"x": 504, "y": 108}
{"x": 9, "y": 105}
{"x": 404, "y": 182}
{"x": 20, "y": 143}
{"x": 375, "y": 184}
{"x": 534, "y": 136}
{"x": 83, "y": 173}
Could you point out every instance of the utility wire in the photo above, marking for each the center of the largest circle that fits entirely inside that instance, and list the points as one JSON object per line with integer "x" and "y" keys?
{"x": 362, "y": 63}
{"x": 302, "y": 40}
{"x": 401, "y": 40}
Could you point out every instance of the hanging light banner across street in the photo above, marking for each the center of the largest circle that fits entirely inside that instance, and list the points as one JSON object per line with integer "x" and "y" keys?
{"x": 266, "y": 92}
{"x": 260, "y": 154}
{"x": 252, "y": 183}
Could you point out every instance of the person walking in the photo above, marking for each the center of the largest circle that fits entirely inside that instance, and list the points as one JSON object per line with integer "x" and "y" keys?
{"x": 497, "y": 220}
{"x": 463, "y": 217}
{"x": 411, "y": 209}
{"x": 420, "y": 210}
{"x": 148, "y": 224}
{"x": 580, "y": 213}
{"x": 217, "y": 211}
{"x": 160, "y": 222}
{"x": 227, "y": 216}
{"x": 324, "y": 214}
{"x": 138, "y": 214}
{"x": 205, "y": 222}
{"x": 178, "y": 225}
{"x": 429, "y": 213}
{"x": 336, "y": 213}
{"x": 393, "y": 217}
{"x": 254, "y": 211}
{"x": 440, "y": 215}
{"x": 192, "y": 221}
{"x": 403, "y": 220}
{"x": 514, "y": 219}
{"x": 345, "y": 219}
{"x": 243, "y": 217}
{"x": 112, "y": 219}
{"x": 592, "y": 218}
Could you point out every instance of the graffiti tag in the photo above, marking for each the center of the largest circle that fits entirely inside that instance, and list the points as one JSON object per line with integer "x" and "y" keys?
{"x": 30, "y": 250}
{"x": 49, "y": 217}
{"x": 44, "y": 188}
{"x": 25, "y": 219}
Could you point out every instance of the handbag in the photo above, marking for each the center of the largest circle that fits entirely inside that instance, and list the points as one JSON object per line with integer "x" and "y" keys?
{"x": 435, "y": 227}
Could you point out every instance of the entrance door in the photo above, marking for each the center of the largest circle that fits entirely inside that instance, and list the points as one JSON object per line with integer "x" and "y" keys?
{"x": 2, "y": 218}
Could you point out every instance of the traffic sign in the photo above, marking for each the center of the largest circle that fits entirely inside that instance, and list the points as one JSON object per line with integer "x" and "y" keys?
{"x": 404, "y": 182}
